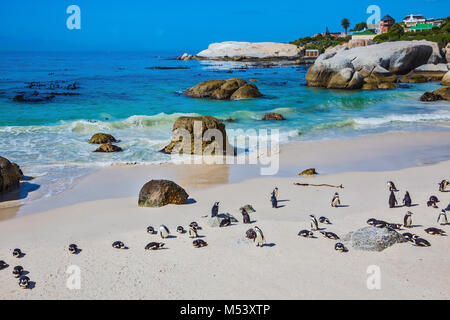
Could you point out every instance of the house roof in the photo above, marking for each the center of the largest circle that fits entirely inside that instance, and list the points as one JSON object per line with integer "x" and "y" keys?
{"x": 414, "y": 16}
{"x": 422, "y": 26}
{"x": 387, "y": 18}
{"x": 363, "y": 32}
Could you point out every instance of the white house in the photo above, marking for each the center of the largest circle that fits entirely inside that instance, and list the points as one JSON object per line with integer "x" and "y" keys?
{"x": 413, "y": 19}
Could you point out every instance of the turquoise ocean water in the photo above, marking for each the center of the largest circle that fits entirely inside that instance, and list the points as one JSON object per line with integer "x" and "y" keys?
{"x": 120, "y": 93}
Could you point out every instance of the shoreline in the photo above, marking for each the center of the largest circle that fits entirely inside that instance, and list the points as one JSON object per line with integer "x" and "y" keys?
{"x": 377, "y": 152}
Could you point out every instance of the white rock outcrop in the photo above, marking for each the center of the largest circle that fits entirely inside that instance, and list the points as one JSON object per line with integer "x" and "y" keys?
{"x": 259, "y": 50}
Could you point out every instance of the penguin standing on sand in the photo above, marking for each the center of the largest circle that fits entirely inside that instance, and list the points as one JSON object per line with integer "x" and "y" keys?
{"x": 259, "y": 237}
{"x": 407, "y": 199}
{"x": 407, "y": 220}
{"x": 193, "y": 232}
{"x": 392, "y": 186}
{"x": 335, "y": 202}
{"x": 314, "y": 223}
{"x": 274, "y": 200}
{"x": 164, "y": 231}
{"x": 245, "y": 216}
{"x": 392, "y": 200}
{"x": 443, "y": 185}
{"x": 442, "y": 218}
{"x": 215, "y": 210}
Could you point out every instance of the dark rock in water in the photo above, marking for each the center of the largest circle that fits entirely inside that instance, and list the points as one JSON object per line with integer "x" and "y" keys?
{"x": 106, "y": 147}
{"x": 204, "y": 123}
{"x": 308, "y": 172}
{"x": 373, "y": 239}
{"x": 10, "y": 175}
{"x": 231, "y": 89}
{"x": 101, "y": 138}
{"x": 430, "y": 96}
{"x": 158, "y": 193}
{"x": 444, "y": 92}
{"x": 167, "y": 68}
{"x": 273, "y": 117}
{"x": 32, "y": 97}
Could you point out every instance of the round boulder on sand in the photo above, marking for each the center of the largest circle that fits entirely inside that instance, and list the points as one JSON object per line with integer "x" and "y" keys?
{"x": 158, "y": 193}
{"x": 101, "y": 138}
{"x": 373, "y": 239}
{"x": 10, "y": 175}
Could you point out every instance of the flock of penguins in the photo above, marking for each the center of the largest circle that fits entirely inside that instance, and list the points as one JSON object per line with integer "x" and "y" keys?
{"x": 257, "y": 235}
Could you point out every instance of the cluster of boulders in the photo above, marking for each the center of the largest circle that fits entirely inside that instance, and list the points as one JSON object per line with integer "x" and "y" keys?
{"x": 437, "y": 95}
{"x": 106, "y": 143}
{"x": 186, "y": 57}
{"x": 230, "y": 89}
{"x": 10, "y": 175}
{"x": 39, "y": 96}
{"x": 196, "y": 128}
{"x": 375, "y": 66}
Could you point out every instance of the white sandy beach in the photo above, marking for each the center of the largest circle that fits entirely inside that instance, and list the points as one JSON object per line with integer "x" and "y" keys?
{"x": 103, "y": 208}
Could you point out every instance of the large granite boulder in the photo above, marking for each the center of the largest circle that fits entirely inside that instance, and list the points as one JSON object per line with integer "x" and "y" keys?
{"x": 426, "y": 72}
{"x": 373, "y": 239}
{"x": 196, "y": 127}
{"x": 444, "y": 92}
{"x": 101, "y": 138}
{"x": 158, "y": 193}
{"x": 377, "y": 64}
{"x": 447, "y": 52}
{"x": 10, "y": 175}
{"x": 431, "y": 97}
{"x": 230, "y": 89}
{"x": 231, "y": 50}
{"x": 446, "y": 79}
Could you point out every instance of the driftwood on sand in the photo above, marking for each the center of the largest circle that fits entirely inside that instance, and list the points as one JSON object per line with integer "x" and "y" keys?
{"x": 318, "y": 185}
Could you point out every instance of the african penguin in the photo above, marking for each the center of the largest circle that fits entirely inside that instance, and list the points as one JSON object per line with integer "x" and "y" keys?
{"x": 407, "y": 200}
{"x": 274, "y": 200}
{"x": 193, "y": 232}
{"x": 435, "y": 231}
{"x": 335, "y": 202}
{"x": 340, "y": 247}
{"x": 24, "y": 282}
{"x": 434, "y": 199}
{"x": 391, "y": 186}
{"x": 330, "y": 235}
{"x": 225, "y": 222}
{"x": 118, "y": 245}
{"x": 193, "y": 224}
{"x": 215, "y": 209}
{"x": 259, "y": 237}
{"x": 250, "y": 234}
{"x": 314, "y": 223}
{"x": 407, "y": 220}
{"x": 73, "y": 248}
{"x": 392, "y": 200}
{"x": 17, "y": 253}
{"x": 3, "y": 265}
{"x": 154, "y": 246}
{"x": 17, "y": 271}
{"x": 306, "y": 234}
{"x": 408, "y": 236}
{"x": 443, "y": 185}
{"x": 245, "y": 216}
{"x": 442, "y": 218}
{"x": 420, "y": 242}
{"x": 199, "y": 243}
{"x": 164, "y": 231}
{"x": 180, "y": 229}
{"x": 324, "y": 220}
{"x": 150, "y": 230}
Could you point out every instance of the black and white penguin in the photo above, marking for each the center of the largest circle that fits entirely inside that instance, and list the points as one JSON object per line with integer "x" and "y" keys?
{"x": 330, "y": 235}
{"x": 193, "y": 224}
{"x": 17, "y": 253}
{"x": 434, "y": 199}
{"x": 314, "y": 223}
{"x": 250, "y": 234}
{"x": 340, "y": 247}
{"x": 442, "y": 218}
{"x": 392, "y": 200}
{"x": 225, "y": 222}
{"x": 407, "y": 220}
{"x": 392, "y": 186}
{"x": 371, "y": 221}
{"x": 73, "y": 248}
{"x": 118, "y": 245}
{"x": 154, "y": 246}
{"x": 431, "y": 204}
{"x": 199, "y": 243}
{"x": 394, "y": 226}
{"x": 306, "y": 234}
{"x": 443, "y": 185}
{"x": 274, "y": 200}
{"x": 24, "y": 281}
{"x": 324, "y": 220}
{"x": 380, "y": 224}
{"x": 215, "y": 209}
{"x": 336, "y": 201}
{"x": 245, "y": 216}
{"x": 164, "y": 231}
{"x": 17, "y": 271}
{"x": 193, "y": 232}
{"x": 260, "y": 241}
{"x": 407, "y": 199}
{"x": 435, "y": 231}
{"x": 150, "y": 230}
{"x": 408, "y": 236}
{"x": 420, "y": 242}
{"x": 3, "y": 265}
{"x": 180, "y": 229}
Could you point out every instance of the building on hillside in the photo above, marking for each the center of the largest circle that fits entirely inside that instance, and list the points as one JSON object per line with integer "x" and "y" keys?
{"x": 332, "y": 34}
{"x": 413, "y": 19}
{"x": 312, "y": 53}
{"x": 363, "y": 35}
{"x": 386, "y": 23}
{"x": 435, "y": 22}
{"x": 421, "y": 27}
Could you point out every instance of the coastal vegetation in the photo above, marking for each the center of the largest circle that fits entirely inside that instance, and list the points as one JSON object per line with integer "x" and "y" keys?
{"x": 441, "y": 34}
{"x": 345, "y": 23}
{"x": 320, "y": 42}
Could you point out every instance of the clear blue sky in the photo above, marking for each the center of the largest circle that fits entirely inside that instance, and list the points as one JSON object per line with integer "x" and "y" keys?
{"x": 184, "y": 25}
